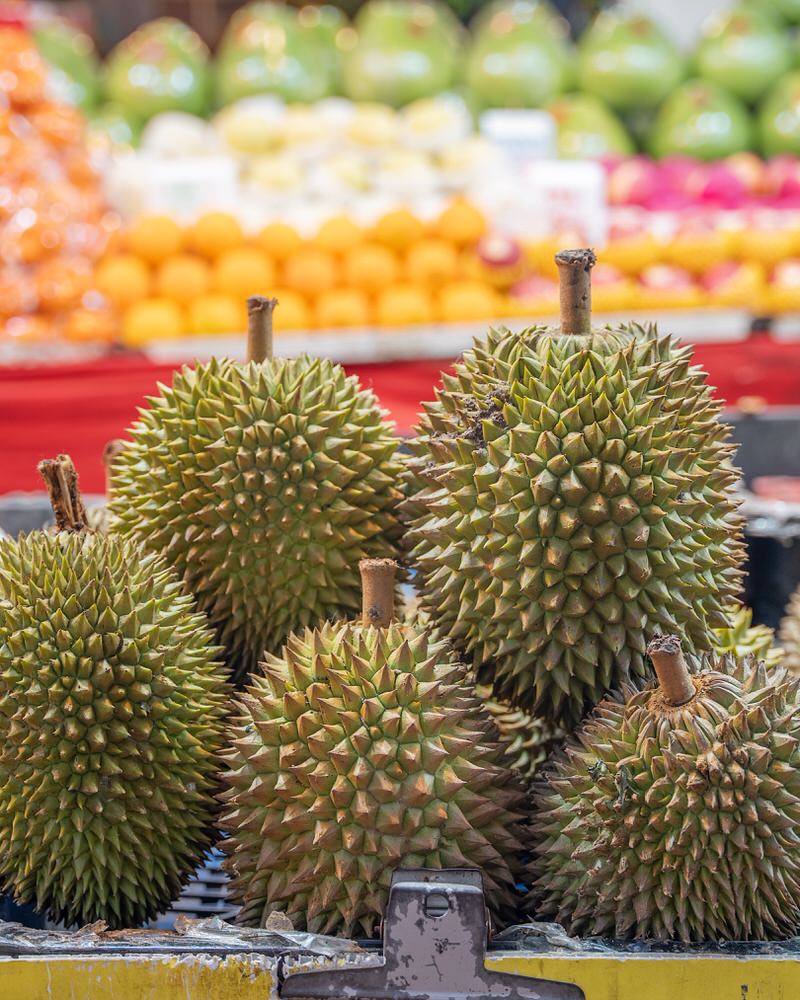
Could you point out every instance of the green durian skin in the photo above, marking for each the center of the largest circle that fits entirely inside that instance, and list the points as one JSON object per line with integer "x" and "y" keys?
{"x": 743, "y": 638}
{"x": 568, "y": 497}
{"x": 677, "y": 824}
{"x": 263, "y": 485}
{"x": 357, "y": 751}
{"x": 111, "y": 708}
{"x": 789, "y": 634}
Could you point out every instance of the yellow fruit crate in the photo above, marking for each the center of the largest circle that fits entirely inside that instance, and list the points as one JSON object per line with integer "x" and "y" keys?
{"x": 433, "y": 949}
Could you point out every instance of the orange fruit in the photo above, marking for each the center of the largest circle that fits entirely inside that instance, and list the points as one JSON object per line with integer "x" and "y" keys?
{"x": 338, "y": 234}
{"x": 398, "y": 230}
{"x": 431, "y": 263}
{"x": 279, "y": 240}
{"x": 30, "y": 328}
{"x": 154, "y": 238}
{"x": 292, "y": 312}
{"x": 370, "y": 267}
{"x": 213, "y": 233}
{"x": 183, "y": 277}
{"x": 39, "y": 240}
{"x": 93, "y": 325}
{"x": 461, "y": 223}
{"x": 244, "y": 271}
{"x": 401, "y": 304}
{"x": 217, "y": 313}
{"x": 151, "y": 319}
{"x": 123, "y": 279}
{"x": 467, "y": 300}
{"x": 310, "y": 271}
{"x": 61, "y": 283}
{"x": 342, "y": 307}
{"x": 59, "y": 124}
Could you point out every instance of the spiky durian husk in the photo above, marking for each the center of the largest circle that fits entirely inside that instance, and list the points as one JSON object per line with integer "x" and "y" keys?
{"x": 111, "y": 706}
{"x": 742, "y": 638}
{"x": 358, "y": 751}
{"x": 527, "y": 739}
{"x": 263, "y": 485}
{"x": 677, "y": 823}
{"x": 569, "y": 497}
{"x": 789, "y": 634}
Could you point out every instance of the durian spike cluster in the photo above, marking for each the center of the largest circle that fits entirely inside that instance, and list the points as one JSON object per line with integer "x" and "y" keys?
{"x": 675, "y": 812}
{"x": 111, "y": 708}
{"x": 571, "y": 494}
{"x": 742, "y": 638}
{"x": 262, "y": 484}
{"x": 362, "y": 748}
{"x": 789, "y": 635}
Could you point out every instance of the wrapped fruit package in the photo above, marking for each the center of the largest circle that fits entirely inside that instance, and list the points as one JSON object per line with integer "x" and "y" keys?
{"x": 571, "y": 493}
{"x": 359, "y": 749}
{"x": 54, "y": 222}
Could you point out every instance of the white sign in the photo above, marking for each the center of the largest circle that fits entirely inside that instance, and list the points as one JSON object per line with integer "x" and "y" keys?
{"x": 522, "y": 133}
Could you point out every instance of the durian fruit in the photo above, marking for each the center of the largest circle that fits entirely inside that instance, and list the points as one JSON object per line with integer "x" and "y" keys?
{"x": 743, "y": 637}
{"x": 571, "y": 494}
{"x": 263, "y": 484}
{"x": 674, "y": 813}
{"x": 789, "y": 634}
{"x": 362, "y": 748}
{"x": 111, "y": 708}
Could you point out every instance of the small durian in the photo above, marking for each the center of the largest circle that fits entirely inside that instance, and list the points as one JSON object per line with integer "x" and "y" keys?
{"x": 789, "y": 634}
{"x": 111, "y": 709}
{"x": 570, "y": 495}
{"x": 98, "y": 515}
{"x": 362, "y": 748}
{"x": 262, "y": 484}
{"x": 673, "y": 813}
{"x": 742, "y": 637}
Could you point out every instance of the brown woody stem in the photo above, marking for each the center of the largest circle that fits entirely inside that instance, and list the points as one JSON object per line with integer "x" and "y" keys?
{"x": 575, "y": 289}
{"x": 377, "y": 591}
{"x": 673, "y": 674}
{"x": 111, "y": 452}
{"x": 61, "y": 480}
{"x": 259, "y": 328}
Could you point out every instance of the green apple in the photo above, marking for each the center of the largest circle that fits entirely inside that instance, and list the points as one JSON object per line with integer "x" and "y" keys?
{"x": 744, "y": 50}
{"x": 586, "y": 129}
{"x": 264, "y": 51}
{"x": 625, "y": 60}
{"x": 115, "y": 123}
{"x": 519, "y": 57}
{"x": 779, "y": 117}
{"x": 703, "y": 120}
{"x": 73, "y": 61}
{"x": 323, "y": 25}
{"x": 406, "y": 50}
{"x": 162, "y": 66}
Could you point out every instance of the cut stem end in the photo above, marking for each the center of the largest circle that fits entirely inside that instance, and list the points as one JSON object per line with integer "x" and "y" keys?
{"x": 61, "y": 480}
{"x": 575, "y": 289}
{"x": 377, "y": 591}
{"x": 673, "y": 674}
{"x": 259, "y": 328}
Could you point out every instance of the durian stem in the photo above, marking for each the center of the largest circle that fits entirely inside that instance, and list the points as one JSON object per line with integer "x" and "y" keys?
{"x": 111, "y": 452}
{"x": 671, "y": 669}
{"x": 259, "y": 328}
{"x": 377, "y": 591}
{"x": 61, "y": 481}
{"x": 575, "y": 289}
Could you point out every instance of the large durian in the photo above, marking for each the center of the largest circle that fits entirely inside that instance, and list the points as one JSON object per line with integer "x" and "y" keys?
{"x": 789, "y": 634}
{"x": 361, "y": 749}
{"x": 674, "y": 813}
{"x": 111, "y": 706}
{"x": 571, "y": 493}
{"x": 742, "y": 637}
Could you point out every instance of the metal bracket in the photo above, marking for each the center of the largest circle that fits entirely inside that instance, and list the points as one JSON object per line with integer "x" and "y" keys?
{"x": 434, "y": 944}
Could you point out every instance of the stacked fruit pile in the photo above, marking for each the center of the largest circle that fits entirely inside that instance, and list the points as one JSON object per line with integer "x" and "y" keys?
{"x": 623, "y": 85}
{"x": 54, "y": 222}
{"x": 569, "y": 513}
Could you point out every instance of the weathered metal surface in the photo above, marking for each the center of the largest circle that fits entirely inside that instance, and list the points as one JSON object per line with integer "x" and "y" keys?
{"x": 433, "y": 949}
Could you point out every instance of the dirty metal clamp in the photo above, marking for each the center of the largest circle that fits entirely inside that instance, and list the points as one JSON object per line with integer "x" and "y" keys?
{"x": 434, "y": 945}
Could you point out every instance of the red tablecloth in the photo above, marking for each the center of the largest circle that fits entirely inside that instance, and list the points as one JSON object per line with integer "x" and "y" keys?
{"x": 76, "y": 408}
